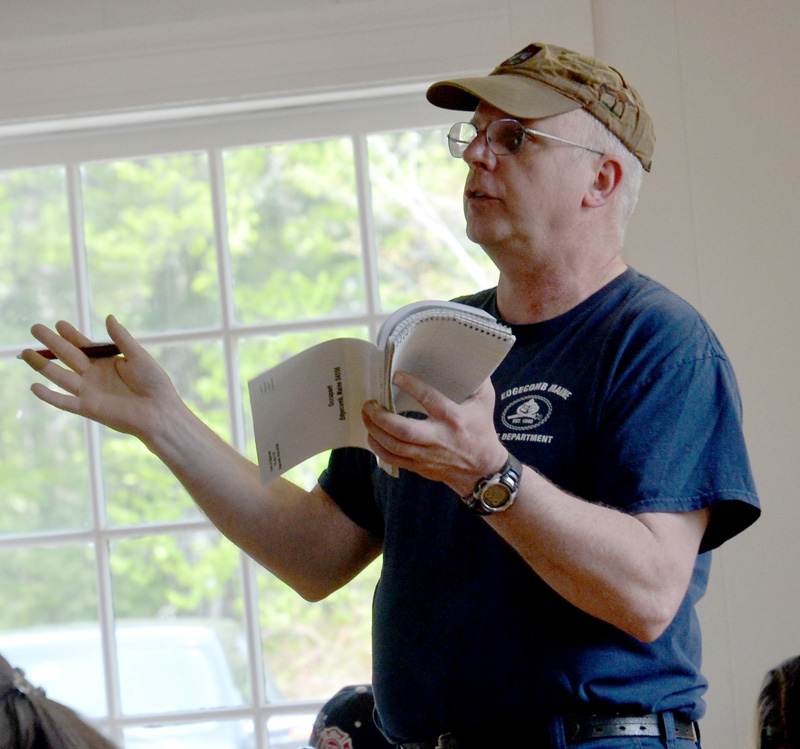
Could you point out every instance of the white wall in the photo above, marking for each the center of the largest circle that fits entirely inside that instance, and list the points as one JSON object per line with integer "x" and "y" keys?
{"x": 718, "y": 223}
{"x": 717, "y": 220}
{"x": 321, "y": 45}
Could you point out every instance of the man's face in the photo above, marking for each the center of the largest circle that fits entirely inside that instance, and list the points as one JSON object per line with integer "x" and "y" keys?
{"x": 522, "y": 202}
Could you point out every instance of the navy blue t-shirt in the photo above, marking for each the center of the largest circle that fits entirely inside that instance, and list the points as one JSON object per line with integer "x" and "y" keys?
{"x": 626, "y": 400}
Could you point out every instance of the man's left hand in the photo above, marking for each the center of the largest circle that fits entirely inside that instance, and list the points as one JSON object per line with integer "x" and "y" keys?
{"x": 457, "y": 443}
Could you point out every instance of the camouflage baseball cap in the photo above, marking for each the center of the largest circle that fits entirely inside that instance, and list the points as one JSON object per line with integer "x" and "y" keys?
{"x": 543, "y": 80}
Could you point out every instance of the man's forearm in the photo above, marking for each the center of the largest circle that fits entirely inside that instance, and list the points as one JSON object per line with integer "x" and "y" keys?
{"x": 301, "y": 536}
{"x": 631, "y": 571}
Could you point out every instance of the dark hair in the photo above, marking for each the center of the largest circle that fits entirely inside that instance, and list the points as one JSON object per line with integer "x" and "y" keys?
{"x": 779, "y": 707}
{"x": 29, "y": 720}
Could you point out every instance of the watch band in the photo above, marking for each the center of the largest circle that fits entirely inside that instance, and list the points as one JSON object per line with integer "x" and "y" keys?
{"x": 504, "y": 483}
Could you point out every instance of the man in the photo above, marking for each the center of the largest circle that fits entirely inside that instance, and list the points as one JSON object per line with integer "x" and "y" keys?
{"x": 540, "y": 549}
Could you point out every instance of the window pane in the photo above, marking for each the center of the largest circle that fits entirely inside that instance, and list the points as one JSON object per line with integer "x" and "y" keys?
{"x": 259, "y": 354}
{"x": 293, "y": 231}
{"x": 313, "y": 649}
{"x": 296, "y": 254}
{"x": 43, "y": 465}
{"x": 36, "y": 280}
{"x": 139, "y": 488}
{"x": 423, "y": 250}
{"x": 150, "y": 243}
{"x": 66, "y": 661}
{"x": 173, "y": 666}
{"x": 47, "y": 584}
{"x": 206, "y": 735}
{"x": 292, "y": 731}
{"x": 46, "y": 590}
{"x": 178, "y": 606}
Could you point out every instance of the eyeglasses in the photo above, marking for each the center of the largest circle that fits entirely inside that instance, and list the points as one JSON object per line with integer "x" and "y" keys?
{"x": 504, "y": 137}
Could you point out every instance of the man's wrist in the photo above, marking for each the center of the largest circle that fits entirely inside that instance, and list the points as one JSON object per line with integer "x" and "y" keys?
{"x": 497, "y": 491}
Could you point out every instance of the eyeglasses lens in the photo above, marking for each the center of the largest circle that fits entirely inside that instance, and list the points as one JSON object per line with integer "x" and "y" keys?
{"x": 459, "y": 137}
{"x": 504, "y": 137}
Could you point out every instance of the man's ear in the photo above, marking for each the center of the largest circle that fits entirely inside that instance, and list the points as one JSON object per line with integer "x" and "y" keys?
{"x": 606, "y": 181}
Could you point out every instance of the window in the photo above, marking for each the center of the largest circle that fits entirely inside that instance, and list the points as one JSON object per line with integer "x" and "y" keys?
{"x": 225, "y": 244}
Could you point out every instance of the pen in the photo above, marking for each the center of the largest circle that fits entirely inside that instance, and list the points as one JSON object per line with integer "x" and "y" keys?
{"x": 95, "y": 351}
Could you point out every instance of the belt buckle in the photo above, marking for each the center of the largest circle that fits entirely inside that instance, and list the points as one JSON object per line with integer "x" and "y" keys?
{"x": 571, "y": 728}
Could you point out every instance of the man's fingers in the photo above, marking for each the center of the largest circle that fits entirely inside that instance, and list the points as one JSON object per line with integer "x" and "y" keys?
{"x": 72, "y": 334}
{"x": 59, "y": 400}
{"x": 437, "y": 405}
{"x": 66, "y": 379}
{"x": 396, "y": 430}
{"x": 126, "y": 343}
{"x": 64, "y": 349}
{"x": 34, "y": 360}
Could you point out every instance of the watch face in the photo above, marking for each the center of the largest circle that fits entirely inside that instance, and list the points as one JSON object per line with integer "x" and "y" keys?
{"x": 496, "y": 495}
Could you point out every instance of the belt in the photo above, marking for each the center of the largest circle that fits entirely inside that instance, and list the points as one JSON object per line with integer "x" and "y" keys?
{"x": 586, "y": 728}
{"x": 577, "y": 729}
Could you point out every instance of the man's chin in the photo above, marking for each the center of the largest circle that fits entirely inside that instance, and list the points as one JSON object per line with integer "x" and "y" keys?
{"x": 482, "y": 236}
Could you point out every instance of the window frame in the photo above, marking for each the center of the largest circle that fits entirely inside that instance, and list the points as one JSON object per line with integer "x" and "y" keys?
{"x": 210, "y": 129}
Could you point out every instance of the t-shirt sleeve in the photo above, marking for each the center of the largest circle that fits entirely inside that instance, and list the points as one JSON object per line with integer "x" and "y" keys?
{"x": 348, "y": 481}
{"x": 675, "y": 441}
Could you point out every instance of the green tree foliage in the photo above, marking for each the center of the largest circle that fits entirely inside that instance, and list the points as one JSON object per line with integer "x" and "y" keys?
{"x": 293, "y": 231}
{"x": 36, "y": 278}
{"x": 43, "y": 462}
{"x": 53, "y": 584}
{"x": 423, "y": 251}
{"x": 149, "y": 235}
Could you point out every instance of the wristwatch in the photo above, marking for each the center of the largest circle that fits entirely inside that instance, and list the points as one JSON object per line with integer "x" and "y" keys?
{"x": 497, "y": 492}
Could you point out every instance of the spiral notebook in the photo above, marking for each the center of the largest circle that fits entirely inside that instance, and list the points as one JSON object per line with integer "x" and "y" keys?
{"x": 312, "y": 402}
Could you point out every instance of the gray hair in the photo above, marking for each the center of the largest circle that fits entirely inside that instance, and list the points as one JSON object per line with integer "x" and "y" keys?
{"x": 596, "y": 135}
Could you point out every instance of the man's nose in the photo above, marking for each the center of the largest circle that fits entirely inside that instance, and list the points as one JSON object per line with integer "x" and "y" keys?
{"x": 479, "y": 153}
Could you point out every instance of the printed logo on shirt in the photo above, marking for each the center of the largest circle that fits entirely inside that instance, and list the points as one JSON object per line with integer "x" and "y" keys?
{"x": 530, "y": 406}
{"x": 527, "y": 412}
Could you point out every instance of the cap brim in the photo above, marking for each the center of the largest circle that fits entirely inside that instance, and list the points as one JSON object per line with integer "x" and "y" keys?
{"x": 517, "y": 95}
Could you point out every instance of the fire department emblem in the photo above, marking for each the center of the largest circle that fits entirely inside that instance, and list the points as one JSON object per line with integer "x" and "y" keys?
{"x": 528, "y": 412}
{"x": 333, "y": 738}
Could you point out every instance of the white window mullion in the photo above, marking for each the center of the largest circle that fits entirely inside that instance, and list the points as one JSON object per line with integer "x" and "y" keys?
{"x": 367, "y": 227}
{"x": 228, "y": 315}
{"x": 105, "y": 601}
{"x": 237, "y": 428}
{"x": 108, "y": 638}
{"x": 80, "y": 263}
{"x": 254, "y": 647}
{"x": 83, "y": 306}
